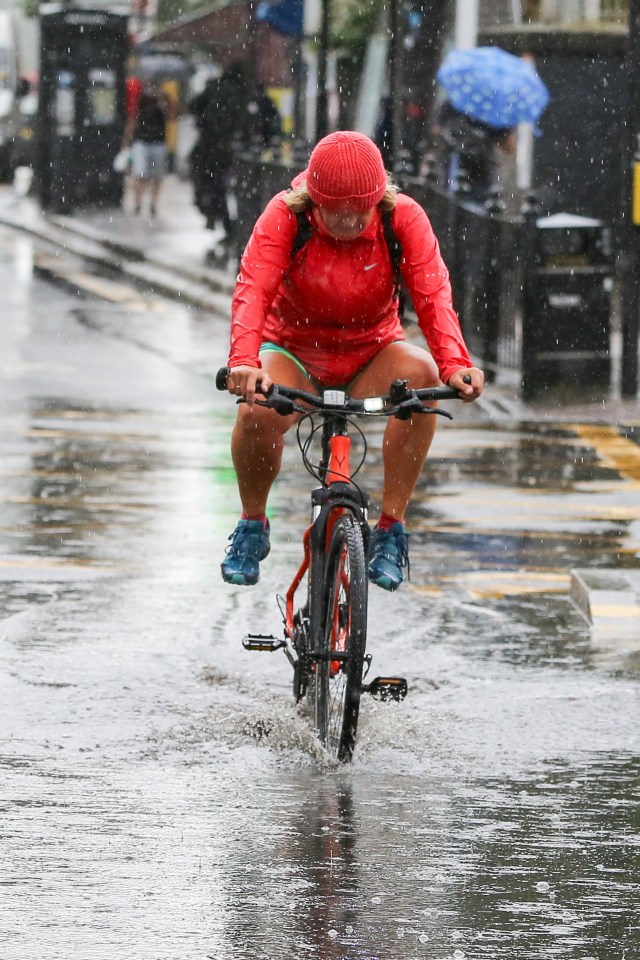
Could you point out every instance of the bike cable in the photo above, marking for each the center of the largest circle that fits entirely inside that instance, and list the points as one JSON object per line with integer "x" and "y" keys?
{"x": 314, "y": 469}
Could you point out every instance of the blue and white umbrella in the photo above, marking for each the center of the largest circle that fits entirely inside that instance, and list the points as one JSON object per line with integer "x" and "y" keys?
{"x": 493, "y": 86}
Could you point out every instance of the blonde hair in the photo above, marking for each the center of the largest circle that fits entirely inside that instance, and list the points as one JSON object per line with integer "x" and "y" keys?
{"x": 298, "y": 199}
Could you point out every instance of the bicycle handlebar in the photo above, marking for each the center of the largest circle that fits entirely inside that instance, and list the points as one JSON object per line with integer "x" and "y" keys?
{"x": 402, "y": 399}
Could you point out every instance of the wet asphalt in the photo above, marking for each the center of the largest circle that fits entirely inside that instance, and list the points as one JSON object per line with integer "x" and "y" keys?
{"x": 161, "y": 795}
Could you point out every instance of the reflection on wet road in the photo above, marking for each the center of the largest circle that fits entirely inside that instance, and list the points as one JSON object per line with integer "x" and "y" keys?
{"x": 161, "y": 796}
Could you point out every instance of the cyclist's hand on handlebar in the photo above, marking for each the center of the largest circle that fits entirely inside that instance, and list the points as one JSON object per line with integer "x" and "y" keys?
{"x": 468, "y": 381}
{"x": 245, "y": 382}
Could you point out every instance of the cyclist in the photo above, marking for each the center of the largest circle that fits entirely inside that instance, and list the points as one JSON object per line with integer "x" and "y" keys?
{"x": 327, "y": 316}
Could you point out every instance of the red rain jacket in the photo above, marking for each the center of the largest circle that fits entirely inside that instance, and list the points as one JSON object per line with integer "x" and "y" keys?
{"x": 332, "y": 306}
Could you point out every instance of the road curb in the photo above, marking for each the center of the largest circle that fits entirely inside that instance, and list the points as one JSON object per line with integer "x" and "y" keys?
{"x": 609, "y": 600}
{"x": 199, "y": 288}
{"x": 217, "y": 280}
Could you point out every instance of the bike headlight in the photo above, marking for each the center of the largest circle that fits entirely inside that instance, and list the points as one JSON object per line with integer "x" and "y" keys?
{"x": 373, "y": 404}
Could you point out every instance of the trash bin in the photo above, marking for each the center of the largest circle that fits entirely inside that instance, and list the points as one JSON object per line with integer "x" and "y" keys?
{"x": 567, "y": 306}
{"x": 82, "y": 107}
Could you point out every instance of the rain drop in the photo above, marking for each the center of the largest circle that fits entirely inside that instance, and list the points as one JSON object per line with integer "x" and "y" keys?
{"x": 542, "y": 887}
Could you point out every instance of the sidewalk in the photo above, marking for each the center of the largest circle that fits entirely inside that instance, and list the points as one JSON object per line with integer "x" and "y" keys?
{"x": 174, "y": 252}
{"x": 176, "y": 238}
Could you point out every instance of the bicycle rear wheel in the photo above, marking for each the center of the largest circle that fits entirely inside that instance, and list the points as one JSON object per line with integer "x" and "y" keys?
{"x": 338, "y": 681}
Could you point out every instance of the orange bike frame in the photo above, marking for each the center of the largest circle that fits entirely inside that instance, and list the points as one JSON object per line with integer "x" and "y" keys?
{"x": 338, "y": 471}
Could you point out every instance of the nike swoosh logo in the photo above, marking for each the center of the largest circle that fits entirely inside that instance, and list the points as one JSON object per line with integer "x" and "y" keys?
{"x": 370, "y": 266}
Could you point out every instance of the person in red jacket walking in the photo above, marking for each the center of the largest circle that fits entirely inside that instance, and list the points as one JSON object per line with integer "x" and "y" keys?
{"x": 328, "y": 317}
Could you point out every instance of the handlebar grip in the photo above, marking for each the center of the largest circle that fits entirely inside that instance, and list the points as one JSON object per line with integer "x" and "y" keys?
{"x": 221, "y": 378}
{"x": 221, "y": 381}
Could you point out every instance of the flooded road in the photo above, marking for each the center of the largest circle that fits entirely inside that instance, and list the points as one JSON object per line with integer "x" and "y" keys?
{"x": 162, "y": 797}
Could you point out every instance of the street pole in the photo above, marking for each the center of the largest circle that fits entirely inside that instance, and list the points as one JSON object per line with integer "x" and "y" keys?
{"x": 392, "y": 137}
{"x": 466, "y": 26}
{"x": 322, "y": 125}
{"x": 630, "y": 219}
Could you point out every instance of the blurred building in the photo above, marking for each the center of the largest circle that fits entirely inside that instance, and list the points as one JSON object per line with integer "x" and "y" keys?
{"x": 580, "y": 47}
{"x": 229, "y": 33}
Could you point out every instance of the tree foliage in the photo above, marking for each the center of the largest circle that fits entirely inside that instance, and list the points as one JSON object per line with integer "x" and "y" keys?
{"x": 354, "y": 24}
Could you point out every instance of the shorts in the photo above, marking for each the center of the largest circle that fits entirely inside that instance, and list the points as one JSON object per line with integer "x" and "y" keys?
{"x": 275, "y": 348}
{"x": 148, "y": 160}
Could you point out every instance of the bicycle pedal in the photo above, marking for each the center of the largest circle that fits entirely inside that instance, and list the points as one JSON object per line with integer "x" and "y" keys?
{"x": 256, "y": 641}
{"x": 387, "y": 688}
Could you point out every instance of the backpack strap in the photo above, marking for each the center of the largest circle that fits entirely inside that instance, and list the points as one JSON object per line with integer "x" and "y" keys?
{"x": 303, "y": 235}
{"x": 395, "y": 252}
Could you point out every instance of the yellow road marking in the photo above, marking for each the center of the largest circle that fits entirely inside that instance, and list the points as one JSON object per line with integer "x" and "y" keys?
{"x": 512, "y": 532}
{"x": 627, "y": 610}
{"x": 112, "y": 290}
{"x": 89, "y": 436}
{"x": 41, "y": 563}
{"x": 78, "y": 503}
{"x": 576, "y": 511}
{"x": 497, "y": 584}
{"x": 612, "y": 449}
{"x": 506, "y": 575}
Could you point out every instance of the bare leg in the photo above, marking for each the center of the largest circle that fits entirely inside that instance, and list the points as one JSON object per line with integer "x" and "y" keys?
{"x": 155, "y": 190}
{"x": 138, "y": 190}
{"x": 258, "y": 437}
{"x": 406, "y": 442}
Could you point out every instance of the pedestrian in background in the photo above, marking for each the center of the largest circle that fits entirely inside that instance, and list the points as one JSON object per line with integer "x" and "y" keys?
{"x": 133, "y": 89}
{"x": 264, "y": 123}
{"x": 219, "y": 113}
{"x": 146, "y": 132}
{"x": 472, "y": 152}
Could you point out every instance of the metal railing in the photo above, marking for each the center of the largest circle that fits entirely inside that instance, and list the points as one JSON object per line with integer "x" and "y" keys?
{"x": 483, "y": 251}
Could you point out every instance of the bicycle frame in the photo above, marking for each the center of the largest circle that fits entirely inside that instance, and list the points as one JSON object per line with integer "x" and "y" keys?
{"x": 328, "y": 503}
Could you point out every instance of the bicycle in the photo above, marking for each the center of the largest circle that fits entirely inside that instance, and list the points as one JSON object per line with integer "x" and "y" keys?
{"x": 325, "y": 637}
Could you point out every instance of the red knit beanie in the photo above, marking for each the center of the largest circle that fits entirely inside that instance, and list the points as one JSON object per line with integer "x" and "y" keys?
{"x": 346, "y": 168}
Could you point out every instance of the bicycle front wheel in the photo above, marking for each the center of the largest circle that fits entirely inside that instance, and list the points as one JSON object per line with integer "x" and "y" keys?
{"x": 338, "y": 680}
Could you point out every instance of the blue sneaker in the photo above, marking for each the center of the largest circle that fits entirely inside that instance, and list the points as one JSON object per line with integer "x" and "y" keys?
{"x": 249, "y": 545}
{"x": 388, "y": 554}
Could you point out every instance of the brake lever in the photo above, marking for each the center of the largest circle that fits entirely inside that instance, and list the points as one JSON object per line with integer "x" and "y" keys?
{"x": 282, "y": 405}
{"x": 406, "y": 409}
